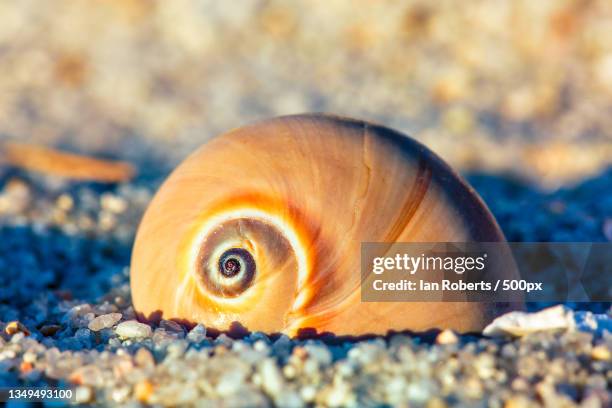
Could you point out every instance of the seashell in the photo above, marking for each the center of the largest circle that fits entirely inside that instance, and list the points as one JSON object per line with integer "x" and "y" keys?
{"x": 263, "y": 225}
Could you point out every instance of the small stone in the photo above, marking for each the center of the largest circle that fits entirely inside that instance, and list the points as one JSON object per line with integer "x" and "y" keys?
{"x": 366, "y": 353}
{"x": 300, "y": 353}
{"x": 436, "y": 402}
{"x": 224, "y": 340}
{"x": 473, "y": 388}
{"x": 15, "y": 198}
{"x": 143, "y": 390}
{"x": 176, "y": 349}
{"x": 600, "y": 353}
{"x": 289, "y": 399}
{"x": 484, "y": 365}
{"x": 104, "y": 321}
{"x": 447, "y": 337}
{"x": 230, "y": 382}
{"x": 547, "y": 394}
{"x": 320, "y": 354}
{"x": 120, "y": 394}
{"x": 50, "y": 329}
{"x": 272, "y": 377}
{"x": 520, "y": 384}
{"x": 122, "y": 367}
{"x": 64, "y": 202}
{"x": 144, "y": 358}
{"x": 289, "y": 371}
{"x": 29, "y": 357}
{"x": 308, "y": 393}
{"x": 339, "y": 396}
{"x": 113, "y": 203}
{"x": 418, "y": 392}
{"x": 105, "y": 308}
{"x": 261, "y": 346}
{"x": 83, "y": 394}
{"x": 132, "y": 328}
{"x": 15, "y": 327}
{"x": 25, "y": 367}
{"x": 197, "y": 334}
{"x": 86, "y": 375}
{"x": 519, "y": 324}
{"x": 517, "y": 401}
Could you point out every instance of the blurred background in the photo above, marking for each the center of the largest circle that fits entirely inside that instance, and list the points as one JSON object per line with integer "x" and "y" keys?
{"x": 521, "y": 88}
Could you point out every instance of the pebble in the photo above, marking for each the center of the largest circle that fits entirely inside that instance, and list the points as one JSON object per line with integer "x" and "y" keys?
{"x": 50, "y": 329}
{"x": 447, "y": 337}
{"x": 15, "y": 197}
{"x": 600, "y": 353}
{"x": 120, "y": 394}
{"x": 197, "y": 334}
{"x": 87, "y": 375}
{"x": 29, "y": 357}
{"x": 308, "y": 393}
{"x": 133, "y": 329}
{"x": 15, "y": 327}
{"x": 113, "y": 203}
{"x": 104, "y": 321}
{"x": 65, "y": 202}
{"x": 230, "y": 382}
{"x": 521, "y": 323}
{"x": 143, "y": 391}
{"x": 289, "y": 399}
{"x": 144, "y": 358}
{"x": 272, "y": 378}
{"x": 339, "y": 395}
{"x": 517, "y": 401}
{"x": 319, "y": 353}
{"x": 83, "y": 394}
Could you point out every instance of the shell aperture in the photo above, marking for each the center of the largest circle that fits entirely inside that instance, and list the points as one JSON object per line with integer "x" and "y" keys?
{"x": 263, "y": 226}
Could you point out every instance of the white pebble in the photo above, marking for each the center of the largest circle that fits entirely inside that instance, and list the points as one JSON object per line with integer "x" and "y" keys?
{"x": 132, "y": 328}
{"x": 308, "y": 393}
{"x": 83, "y": 394}
{"x": 447, "y": 337}
{"x": 230, "y": 383}
{"x": 340, "y": 395}
{"x": 519, "y": 324}
{"x": 113, "y": 203}
{"x": 272, "y": 378}
{"x": 104, "y": 321}
{"x": 197, "y": 334}
{"x": 320, "y": 354}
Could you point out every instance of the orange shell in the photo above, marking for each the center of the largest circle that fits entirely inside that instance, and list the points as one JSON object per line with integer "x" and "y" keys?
{"x": 301, "y": 193}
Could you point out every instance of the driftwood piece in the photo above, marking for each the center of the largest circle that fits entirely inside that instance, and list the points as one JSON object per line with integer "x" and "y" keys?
{"x": 62, "y": 164}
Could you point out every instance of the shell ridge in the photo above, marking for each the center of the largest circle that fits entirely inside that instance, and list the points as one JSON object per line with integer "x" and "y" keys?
{"x": 367, "y": 171}
{"x": 413, "y": 200}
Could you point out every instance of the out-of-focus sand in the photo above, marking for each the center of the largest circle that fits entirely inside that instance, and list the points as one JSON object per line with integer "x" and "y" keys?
{"x": 522, "y": 86}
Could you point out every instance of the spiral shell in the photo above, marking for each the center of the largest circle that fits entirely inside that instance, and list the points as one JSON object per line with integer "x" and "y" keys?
{"x": 262, "y": 226}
